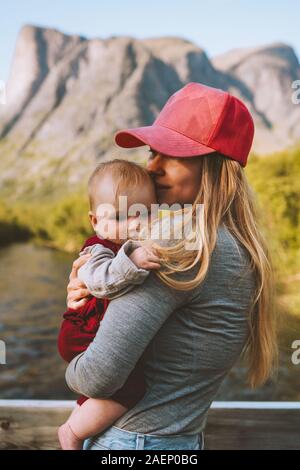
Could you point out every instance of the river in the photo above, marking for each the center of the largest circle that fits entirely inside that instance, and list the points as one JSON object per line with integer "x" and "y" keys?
{"x": 33, "y": 288}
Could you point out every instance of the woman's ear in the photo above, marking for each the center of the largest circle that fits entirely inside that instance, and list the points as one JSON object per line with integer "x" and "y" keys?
{"x": 93, "y": 219}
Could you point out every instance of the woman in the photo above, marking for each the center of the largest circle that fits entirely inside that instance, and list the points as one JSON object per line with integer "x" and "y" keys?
{"x": 192, "y": 326}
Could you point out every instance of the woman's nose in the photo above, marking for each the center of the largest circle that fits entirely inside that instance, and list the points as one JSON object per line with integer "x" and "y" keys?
{"x": 155, "y": 164}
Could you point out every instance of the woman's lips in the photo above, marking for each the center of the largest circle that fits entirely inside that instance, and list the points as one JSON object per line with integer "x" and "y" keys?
{"x": 161, "y": 187}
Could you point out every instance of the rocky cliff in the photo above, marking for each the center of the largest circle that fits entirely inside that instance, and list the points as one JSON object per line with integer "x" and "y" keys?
{"x": 67, "y": 96}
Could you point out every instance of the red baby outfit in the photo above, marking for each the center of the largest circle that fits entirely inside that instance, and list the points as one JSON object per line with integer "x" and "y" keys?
{"x": 78, "y": 330}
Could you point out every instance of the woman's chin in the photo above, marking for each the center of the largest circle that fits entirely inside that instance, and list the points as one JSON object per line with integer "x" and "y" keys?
{"x": 164, "y": 196}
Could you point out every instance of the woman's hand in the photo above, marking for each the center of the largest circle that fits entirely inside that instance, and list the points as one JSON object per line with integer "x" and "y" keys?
{"x": 78, "y": 293}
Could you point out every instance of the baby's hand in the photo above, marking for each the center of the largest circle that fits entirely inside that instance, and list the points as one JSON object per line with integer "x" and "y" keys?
{"x": 145, "y": 258}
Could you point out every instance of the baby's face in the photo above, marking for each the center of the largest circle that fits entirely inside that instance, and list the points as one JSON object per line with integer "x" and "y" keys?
{"x": 118, "y": 228}
{"x": 119, "y": 220}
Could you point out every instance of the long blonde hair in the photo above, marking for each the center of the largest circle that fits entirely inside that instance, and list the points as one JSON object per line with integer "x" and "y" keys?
{"x": 227, "y": 198}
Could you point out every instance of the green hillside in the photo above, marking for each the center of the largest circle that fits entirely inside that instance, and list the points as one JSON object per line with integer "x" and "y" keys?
{"x": 276, "y": 181}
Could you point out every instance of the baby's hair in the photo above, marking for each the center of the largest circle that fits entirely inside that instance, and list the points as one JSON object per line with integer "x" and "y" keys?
{"x": 125, "y": 174}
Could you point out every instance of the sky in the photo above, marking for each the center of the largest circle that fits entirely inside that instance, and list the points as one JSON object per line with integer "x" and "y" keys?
{"x": 215, "y": 25}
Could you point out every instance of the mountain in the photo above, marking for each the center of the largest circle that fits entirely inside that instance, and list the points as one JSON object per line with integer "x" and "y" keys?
{"x": 268, "y": 72}
{"x": 68, "y": 95}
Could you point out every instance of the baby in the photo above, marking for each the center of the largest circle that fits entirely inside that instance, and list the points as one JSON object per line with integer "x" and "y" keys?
{"x": 115, "y": 264}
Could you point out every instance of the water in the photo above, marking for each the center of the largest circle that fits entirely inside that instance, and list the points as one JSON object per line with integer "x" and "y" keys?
{"x": 33, "y": 298}
{"x": 33, "y": 293}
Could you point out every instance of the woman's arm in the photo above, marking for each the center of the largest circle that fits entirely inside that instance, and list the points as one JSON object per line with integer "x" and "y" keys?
{"x": 129, "y": 324}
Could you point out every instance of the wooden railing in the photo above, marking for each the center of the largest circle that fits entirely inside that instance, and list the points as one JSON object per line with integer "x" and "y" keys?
{"x": 32, "y": 424}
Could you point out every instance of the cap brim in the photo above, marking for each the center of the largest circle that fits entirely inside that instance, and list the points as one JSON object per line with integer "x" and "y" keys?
{"x": 161, "y": 139}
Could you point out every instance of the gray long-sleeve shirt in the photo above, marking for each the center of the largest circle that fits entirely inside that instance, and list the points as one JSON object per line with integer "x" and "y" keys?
{"x": 189, "y": 341}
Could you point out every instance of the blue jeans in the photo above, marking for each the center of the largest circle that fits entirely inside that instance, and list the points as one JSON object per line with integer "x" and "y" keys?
{"x": 115, "y": 439}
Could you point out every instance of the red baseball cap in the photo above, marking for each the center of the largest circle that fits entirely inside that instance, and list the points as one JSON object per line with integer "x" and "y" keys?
{"x": 196, "y": 120}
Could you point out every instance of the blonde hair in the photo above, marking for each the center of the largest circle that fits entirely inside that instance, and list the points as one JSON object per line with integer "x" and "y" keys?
{"x": 227, "y": 198}
{"x": 125, "y": 174}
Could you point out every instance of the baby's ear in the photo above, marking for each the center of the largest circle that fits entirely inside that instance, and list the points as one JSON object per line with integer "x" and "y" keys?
{"x": 93, "y": 219}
